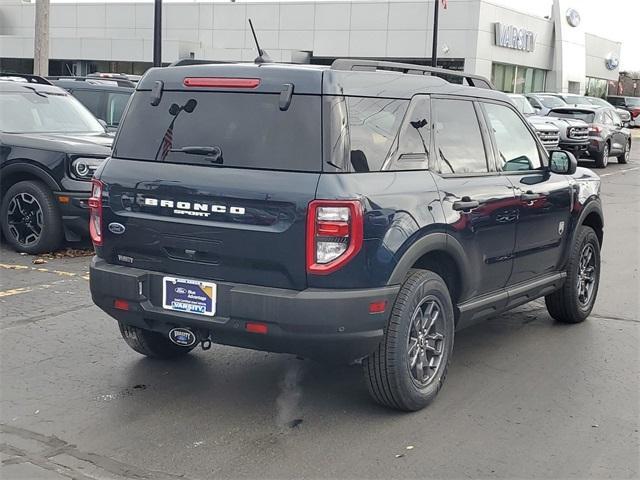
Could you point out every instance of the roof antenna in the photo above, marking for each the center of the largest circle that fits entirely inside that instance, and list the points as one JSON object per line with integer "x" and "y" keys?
{"x": 263, "y": 57}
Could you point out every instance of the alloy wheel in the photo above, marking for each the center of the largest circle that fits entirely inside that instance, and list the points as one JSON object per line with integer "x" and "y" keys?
{"x": 25, "y": 219}
{"x": 426, "y": 341}
{"x": 586, "y": 275}
{"x": 605, "y": 155}
{"x": 627, "y": 152}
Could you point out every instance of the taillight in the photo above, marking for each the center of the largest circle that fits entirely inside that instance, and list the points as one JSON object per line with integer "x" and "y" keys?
{"x": 595, "y": 129}
{"x": 95, "y": 212}
{"x": 635, "y": 112}
{"x": 334, "y": 234}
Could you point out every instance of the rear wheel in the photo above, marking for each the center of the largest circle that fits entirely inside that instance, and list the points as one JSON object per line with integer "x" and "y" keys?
{"x": 574, "y": 301}
{"x": 410, "y": 365}
{"x": 624, "y": 157}
{"x": 602, "y": 158}
{"x": 151, "y": 344}
{"x": 30, "y": 218}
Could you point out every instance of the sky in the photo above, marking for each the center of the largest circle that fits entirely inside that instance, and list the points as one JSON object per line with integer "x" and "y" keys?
{"x": 613, "y": 19}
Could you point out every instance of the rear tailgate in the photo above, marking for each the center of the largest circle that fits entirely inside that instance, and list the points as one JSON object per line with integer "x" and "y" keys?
{"x": 214, "y": 184}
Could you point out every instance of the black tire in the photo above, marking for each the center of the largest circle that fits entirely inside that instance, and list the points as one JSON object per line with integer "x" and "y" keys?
{"x": 623, "y": 158}
{"x": 151, "y": 344}
{"x": 48, "y": 222}
{"x": 565, "y": 305}
{"x": 602, "y": 158}
{"x": 389, "y": 376}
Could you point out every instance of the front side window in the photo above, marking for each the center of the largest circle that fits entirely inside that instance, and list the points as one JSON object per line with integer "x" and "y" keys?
{"x": 516, "y": 145}
{"x": 459, "y": 140}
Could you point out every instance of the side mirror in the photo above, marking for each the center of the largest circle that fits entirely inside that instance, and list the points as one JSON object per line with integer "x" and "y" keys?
{"x": 563, "y": 163}
{"x": 103, "y": 123}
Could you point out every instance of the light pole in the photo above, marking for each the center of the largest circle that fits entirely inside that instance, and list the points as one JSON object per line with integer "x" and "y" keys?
{"x": 157, "y": 33}
{"x": 41, "y": 39}
{"x": 434, "y": 47}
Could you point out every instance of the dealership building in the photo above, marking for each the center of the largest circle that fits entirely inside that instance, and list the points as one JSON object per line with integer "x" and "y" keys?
{"x": 519, "y": 52}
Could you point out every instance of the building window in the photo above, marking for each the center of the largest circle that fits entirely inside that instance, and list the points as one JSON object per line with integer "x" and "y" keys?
{"x": 596, "y": 87}
{"x": 518, "y": 78}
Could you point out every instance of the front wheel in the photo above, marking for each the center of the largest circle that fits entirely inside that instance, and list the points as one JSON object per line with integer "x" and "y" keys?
{"x": 30, "y": 218}
{"x": 410, "y": 365}
{"x": 151, "y": 344}
{"x": 574, "y": 301}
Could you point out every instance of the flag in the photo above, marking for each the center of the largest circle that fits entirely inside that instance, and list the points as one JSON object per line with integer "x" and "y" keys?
{"x": 167, "y": 142}
{"x": 444, "y": 4}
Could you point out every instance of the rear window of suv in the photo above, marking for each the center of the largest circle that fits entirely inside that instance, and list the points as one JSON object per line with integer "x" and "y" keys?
{"x": 248, "y": 130}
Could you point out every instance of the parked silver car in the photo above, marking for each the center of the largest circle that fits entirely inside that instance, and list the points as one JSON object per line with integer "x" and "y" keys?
{"x": 586, "y": 101}
{"x": 549, "y": 134}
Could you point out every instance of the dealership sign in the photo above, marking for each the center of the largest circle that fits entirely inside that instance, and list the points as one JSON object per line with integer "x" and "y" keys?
{"x": 513, "y": 37}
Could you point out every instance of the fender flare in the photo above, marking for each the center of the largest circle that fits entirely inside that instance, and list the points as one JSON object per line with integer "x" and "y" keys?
{"x": 431, "y": 243}
{"x": 595, "y": 205}
{"x": 23, "y": 167}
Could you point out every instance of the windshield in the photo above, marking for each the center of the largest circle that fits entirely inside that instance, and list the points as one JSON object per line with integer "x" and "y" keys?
{"x": 550, "y": 101}
{"x": 522, "y": 104}
{"x": 575, "y": 114}
{"x": 576, "y": 100}
{"x": 598, "y": 101}
{"x": 45, "y": 112}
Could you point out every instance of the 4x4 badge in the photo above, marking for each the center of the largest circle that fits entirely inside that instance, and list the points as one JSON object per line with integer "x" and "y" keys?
{"x": 560, "y": 228}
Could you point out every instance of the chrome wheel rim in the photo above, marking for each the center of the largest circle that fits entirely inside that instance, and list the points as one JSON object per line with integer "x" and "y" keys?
{"x": 426, "y": 341}
{"x": 586, "y": 275}
{"x": 605, "y": 155}
{"x": 24, "y": 217}
{"x": 627, "y": 150}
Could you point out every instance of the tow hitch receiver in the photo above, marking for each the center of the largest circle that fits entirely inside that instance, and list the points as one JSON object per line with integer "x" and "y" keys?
{"x": 183, "y": 337}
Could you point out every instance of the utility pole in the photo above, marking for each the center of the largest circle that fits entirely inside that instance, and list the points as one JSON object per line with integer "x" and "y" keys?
{"x": 434, "y": 47}
{"x": 41, "y": 39}
{"x": 157, "y": 33}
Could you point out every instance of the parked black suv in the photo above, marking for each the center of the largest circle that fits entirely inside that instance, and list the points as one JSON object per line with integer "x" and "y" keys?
{"x": 50, "y": 145}
{"x": 105, "y": 98}
{"x": 362, "y": 211}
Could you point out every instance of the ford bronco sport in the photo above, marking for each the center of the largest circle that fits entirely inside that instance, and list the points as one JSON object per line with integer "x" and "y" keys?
{"x": 358, "y": 212}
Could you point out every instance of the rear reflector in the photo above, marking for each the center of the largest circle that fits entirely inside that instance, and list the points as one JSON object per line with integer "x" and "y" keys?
{"x": 121, "y": 304}
{"x": 221, "y": 82}
{"x": 378, "y": 307}
{"x": 254, "y": 327}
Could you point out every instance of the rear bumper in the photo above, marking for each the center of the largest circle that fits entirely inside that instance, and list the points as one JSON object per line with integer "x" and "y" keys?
{"x": 316, "y": 323}
{"x": 75, "y": 215}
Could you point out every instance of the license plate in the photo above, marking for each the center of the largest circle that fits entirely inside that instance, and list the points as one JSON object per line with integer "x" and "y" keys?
{"x": 189, "y": 296}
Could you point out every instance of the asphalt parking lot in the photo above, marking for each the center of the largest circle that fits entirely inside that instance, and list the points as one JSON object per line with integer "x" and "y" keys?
{"x": 525, "y": 397}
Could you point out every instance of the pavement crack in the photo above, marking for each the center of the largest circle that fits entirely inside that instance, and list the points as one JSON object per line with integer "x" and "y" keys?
{"x": 55, "y": 446}
{"x": 37, "y": 318}
{"x": 612, "y": 317}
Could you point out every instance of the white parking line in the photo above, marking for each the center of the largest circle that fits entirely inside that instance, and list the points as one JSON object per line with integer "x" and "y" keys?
{"x": 619, "y": 171}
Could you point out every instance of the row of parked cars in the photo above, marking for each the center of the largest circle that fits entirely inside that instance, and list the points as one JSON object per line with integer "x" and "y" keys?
{"x": 589, "y": 127}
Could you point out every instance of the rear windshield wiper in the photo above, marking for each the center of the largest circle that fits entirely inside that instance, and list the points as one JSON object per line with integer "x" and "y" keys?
{"x": 214, "y": 153}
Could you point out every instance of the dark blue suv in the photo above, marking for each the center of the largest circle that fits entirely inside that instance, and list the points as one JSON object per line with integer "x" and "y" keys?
{"x": 358, "y": 212}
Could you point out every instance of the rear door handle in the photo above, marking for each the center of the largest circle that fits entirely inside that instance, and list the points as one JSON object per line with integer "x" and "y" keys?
{"x": 529, "y": 196}
{"x": 466, "y": 204}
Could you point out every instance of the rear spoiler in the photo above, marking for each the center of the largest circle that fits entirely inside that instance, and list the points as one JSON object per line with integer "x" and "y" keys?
{"x": 411, "y": 69}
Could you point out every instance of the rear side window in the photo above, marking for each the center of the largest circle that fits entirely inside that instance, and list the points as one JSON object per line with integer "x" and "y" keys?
{"x": 361, "y": 133}
{"x": 411, "y": 150}
{"x": 90, "y": 99}
{"x": 458, "y": 137}
{"x": 116, "y": 102}
{"x": 246, "y": 130}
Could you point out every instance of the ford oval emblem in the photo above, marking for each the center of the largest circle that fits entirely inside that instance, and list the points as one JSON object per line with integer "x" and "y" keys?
{"x": 117, "y": 228}
{"x": 183, "y": 337}
{"x": 181, "y": 290}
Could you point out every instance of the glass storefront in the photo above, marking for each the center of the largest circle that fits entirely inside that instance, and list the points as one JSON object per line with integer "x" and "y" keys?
{"x": 596, "y": 87}
{"x": 518, "y": 78}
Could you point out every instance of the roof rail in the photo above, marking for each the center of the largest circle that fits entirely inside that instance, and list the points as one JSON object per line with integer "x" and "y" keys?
{"x": 412, "y": 69}
{"x": 196, "y": 61}
{"x": 26, "y": 77}
{"x": 121, "y": 82}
